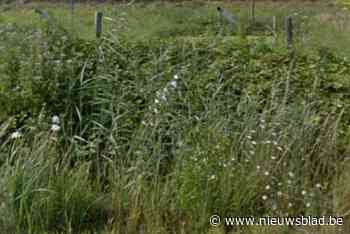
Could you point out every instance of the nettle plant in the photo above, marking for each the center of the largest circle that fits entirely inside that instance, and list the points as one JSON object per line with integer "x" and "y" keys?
{"x": 39, "y": 74}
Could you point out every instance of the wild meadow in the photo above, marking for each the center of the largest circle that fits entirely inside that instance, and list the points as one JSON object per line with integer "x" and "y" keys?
{"x": 164, "y": 121}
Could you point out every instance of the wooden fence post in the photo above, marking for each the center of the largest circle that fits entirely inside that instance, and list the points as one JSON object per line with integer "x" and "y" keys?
{"x": 98, "y": 24}
{"x": 274, "y": 29}
{"x": 72, "y": 2}
{"x": 289, "y": 31}
{"x": 252, "y": 12}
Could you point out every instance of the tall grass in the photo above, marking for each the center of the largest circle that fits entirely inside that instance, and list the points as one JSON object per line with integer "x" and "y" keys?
{"x": 157, "y": 136}
{"x": 242, "y": 163}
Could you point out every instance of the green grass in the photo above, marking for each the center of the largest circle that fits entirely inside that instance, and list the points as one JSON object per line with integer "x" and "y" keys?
{"x": 320, "y": 23}
{"x": 164, "y": 123}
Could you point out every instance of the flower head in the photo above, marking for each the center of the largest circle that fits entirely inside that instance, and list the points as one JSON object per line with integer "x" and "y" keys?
{"x": 16, "y": 135}
{"x": 55, "y": 119}
{"x": 163, "y": 97}
{"x": 55, "y": 127}
{"x": 173, "y": 83}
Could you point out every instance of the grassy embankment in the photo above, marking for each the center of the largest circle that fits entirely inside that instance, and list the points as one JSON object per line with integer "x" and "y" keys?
{"x": 170, "y": 123}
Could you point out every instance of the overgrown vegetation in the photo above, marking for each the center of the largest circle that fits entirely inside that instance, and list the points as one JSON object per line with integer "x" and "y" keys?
{"x": 156, "y": 135}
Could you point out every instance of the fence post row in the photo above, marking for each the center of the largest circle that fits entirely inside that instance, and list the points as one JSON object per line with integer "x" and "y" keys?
{"x": 98, "y": 24}
{"x": 289, "y": 31}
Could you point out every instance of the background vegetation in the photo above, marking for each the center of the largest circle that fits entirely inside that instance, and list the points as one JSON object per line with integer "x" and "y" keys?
{"x": 163, "y": 122}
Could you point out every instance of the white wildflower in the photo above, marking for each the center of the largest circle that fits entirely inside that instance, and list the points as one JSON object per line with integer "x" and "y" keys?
{"x": 273, "y": 158}
{"x": 274, "y": 207}
{"x": 173, "y": 83}
{"x": 176, "y": 77}
{"x": 163, "y": 97}
{"x": 253, "y": 142}
{"x": 16, "y": 135}
{"x": 291, "y": 174}
{"x": 290, "y": 205}
{"x": 55, "y": 128}
{"x": 267, "y": 173}
{"x": 303, "y": 192}
{"x": 55, "y": 119}
{"x": 249, "y": 137}
{"x": 280, "y": 148}
{"x": 258, "y": 167}
{"x": 264, "y": 197}
{"x": 279, "y": 193}
{"x": 267, "y": 187}
{"x": 318, "y": 185}
{"x": 308, "y": 204}
{"x": 212, "y": 177}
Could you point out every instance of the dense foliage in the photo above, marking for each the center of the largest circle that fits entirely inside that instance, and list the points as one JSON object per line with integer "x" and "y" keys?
{"x": 160, "y": 132}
